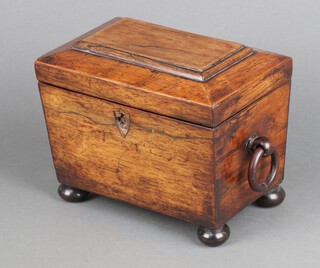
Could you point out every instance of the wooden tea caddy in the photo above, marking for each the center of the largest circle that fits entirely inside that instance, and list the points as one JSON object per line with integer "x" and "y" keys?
{"x": 186, "y": 125}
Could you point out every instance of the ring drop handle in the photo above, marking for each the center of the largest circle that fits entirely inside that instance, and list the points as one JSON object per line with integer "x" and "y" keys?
{"x": 261, "y": 147}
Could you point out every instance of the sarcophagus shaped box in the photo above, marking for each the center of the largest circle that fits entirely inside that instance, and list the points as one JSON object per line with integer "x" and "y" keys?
{"x": 186, "y": 125}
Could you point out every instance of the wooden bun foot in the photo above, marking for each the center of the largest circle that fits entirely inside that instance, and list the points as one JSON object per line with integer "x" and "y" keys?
{"x": 72, "y": 194}
{"x": 271, "y": 199}
{"x": 213, "y": 237}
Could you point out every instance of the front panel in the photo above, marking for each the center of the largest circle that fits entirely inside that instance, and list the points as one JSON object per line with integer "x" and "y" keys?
{"x": 148, "y": 160}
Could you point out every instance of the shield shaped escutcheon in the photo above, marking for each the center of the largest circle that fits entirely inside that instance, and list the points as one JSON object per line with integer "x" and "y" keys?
{"x": 122, "y": 120}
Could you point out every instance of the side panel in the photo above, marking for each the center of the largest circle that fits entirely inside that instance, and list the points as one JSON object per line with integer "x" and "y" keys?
{"x": 267, "y": 117}
{"x": 162, "y": 164}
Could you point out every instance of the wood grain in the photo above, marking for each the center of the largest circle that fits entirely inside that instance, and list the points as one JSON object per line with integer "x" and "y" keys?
{"x": 161, "y": 48}
{"x": 246, "y": 82}
{"x": 129, "y": 85}
{"x": 233, "y": 192}
{"x": 162, "y": 164}
{"x": 185, "y": 153}
{"x": 267, "y": 117}
{"x": 206, "y": 104}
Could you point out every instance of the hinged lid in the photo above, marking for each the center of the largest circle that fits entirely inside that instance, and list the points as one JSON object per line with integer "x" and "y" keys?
{"x": 164, "y": 49}
{"x": 125, "y": 47}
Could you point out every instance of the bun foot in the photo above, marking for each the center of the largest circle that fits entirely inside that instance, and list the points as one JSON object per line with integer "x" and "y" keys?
{"x": 271, "y": 199}
{"x": 213, "y": 237}
{"x": 71, "y": 194}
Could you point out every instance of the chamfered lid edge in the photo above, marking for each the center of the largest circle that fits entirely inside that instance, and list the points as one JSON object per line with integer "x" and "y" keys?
{"x": 164, "y": 49}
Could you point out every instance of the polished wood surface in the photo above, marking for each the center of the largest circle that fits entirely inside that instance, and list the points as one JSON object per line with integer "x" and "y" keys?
{"x": 272, "y": 198}
{"x": 161, "y": 48}
{"x": 213, "y": 237}
{"x": 162, "y": 164}
{"x": 182, "y": 149}
{"x": 266, "y": 117}
{"x": 206, "y": 104}
{"x": 246, "y": 82}
{"x": 189, "y": 172}
{"x": 71, "y": 194}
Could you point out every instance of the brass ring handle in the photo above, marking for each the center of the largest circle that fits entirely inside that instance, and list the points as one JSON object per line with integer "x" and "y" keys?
{"x": 261, "y": 147}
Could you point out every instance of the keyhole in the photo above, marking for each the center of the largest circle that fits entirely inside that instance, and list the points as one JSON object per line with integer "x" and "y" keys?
{"x": 122, "y": 120}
